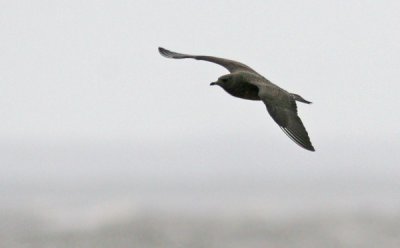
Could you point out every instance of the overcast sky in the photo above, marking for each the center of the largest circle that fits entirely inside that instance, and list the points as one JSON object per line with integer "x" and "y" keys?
{"x": 89, "y": 71}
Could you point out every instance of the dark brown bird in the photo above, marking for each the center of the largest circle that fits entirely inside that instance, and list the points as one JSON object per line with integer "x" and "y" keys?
{"x": 245, "y": 83}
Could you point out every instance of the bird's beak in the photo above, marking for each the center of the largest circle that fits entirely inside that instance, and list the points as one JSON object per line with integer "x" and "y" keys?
{"x": 213, "y": 83}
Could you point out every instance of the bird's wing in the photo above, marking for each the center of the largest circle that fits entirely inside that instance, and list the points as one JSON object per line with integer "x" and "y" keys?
{"x": 230, "y": 65}
{"x": 290, "y": 123}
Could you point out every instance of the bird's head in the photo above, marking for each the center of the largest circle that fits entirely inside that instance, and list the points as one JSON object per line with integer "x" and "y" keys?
{"x": 223, "y": 80}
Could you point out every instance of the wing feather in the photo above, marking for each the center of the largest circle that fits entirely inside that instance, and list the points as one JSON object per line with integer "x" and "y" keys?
{"x": 230, "y": 65}
{"x": 291, "y": 124}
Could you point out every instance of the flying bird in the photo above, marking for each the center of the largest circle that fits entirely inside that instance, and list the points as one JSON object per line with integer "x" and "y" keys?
{"x": 246, "y": 83}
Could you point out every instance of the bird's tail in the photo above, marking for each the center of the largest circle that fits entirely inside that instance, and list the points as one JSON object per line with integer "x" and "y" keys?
{"x": 299, "y": 98}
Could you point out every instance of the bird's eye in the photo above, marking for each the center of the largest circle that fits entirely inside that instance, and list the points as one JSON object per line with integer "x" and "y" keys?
{"x": 224, "y": 79}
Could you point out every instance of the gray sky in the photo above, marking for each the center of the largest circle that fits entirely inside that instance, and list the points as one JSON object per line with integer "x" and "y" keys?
{"x": 89, "y": 71}
{"x": 73, "y": 69}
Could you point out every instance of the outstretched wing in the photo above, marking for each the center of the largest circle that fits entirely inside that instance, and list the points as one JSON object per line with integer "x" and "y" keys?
{"x": 230, "y": 65}
{"x": 290, "y": 123}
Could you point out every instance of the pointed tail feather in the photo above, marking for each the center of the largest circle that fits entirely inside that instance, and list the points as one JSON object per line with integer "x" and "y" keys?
{"x": 300, "y": 99}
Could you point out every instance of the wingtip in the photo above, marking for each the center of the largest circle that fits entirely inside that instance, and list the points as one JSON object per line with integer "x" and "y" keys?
{"x": 161, "y": 50}
{"x": 164, "y": 52}
{"x": 308, "y": 148}
{"x": 303, "y": 143}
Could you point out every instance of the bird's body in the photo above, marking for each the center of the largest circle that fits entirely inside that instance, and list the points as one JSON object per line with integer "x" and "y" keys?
{"x": 243, "y": 82}
{"x": 239, "y": 87}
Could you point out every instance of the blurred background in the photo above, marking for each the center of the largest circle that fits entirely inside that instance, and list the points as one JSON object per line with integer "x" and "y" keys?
{"x": 104, "y": 143}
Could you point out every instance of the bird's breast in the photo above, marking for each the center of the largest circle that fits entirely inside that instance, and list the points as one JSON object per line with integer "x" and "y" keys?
{"x": 243, "y": 90}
